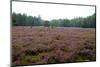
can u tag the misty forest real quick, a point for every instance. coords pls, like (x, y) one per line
(24, 20)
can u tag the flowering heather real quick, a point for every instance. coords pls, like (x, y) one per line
(43, 45)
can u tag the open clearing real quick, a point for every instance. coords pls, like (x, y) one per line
(42, 45)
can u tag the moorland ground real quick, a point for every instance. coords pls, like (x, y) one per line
(43, 45)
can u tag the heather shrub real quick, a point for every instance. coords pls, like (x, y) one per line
(57, 45)
(53, 59)
(84, 55)
(30, 51)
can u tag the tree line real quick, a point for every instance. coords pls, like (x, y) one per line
(25, 20)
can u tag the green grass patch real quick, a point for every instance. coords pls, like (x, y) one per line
(30, 59)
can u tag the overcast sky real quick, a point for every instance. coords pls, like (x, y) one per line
(52, 11)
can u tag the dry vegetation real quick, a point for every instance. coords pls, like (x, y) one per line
(42, 45)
